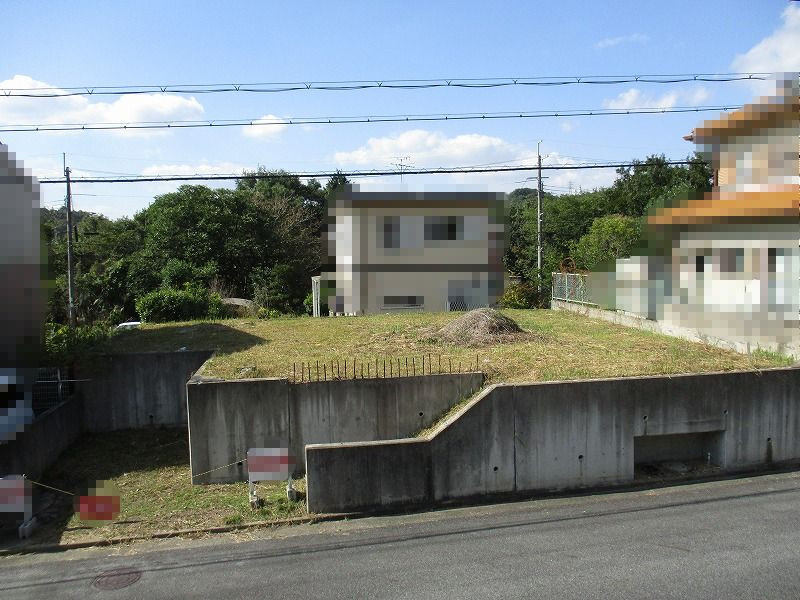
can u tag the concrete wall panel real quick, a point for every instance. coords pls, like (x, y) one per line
(228, 416)
(41, 443)
(129, 391)
(578, 434)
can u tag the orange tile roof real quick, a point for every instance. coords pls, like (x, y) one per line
(752, 117)
(777, 204)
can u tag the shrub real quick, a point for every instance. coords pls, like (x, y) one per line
(519, 295)
(268, 313)
(164, 305)
(216, 309)
(63, 344)
(308, 303)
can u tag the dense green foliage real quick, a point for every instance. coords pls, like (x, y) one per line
(260, 240)
(63, 344)
(519, 295)
(168, 304)
(567, 222)
(609, 238)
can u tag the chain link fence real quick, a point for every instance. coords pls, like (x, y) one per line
(458, 305)
(572, 287)
(52, 387)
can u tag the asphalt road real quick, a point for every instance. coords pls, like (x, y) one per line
(728, 539)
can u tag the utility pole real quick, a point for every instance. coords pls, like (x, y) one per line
(539, 222)
(70, 278)
(401, 165)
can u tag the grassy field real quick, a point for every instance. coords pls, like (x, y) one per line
(563, 345)
(150, 467)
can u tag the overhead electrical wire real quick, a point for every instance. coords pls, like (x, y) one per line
(256, 122)
(403, 84)
(361, 173)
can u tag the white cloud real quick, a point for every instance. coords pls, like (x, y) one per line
(635, 98)
(777, 52)
(81, 109)
(433, 149)
(427, 148)
(608, 42)
(568, 126)
(264, 131)
(577, 179)
(204, 168)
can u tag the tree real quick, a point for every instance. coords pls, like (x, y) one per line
(609, 238)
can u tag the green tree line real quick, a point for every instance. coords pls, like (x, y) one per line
(260, 240)
(596, 227)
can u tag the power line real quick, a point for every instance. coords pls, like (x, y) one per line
(138, 125)
(402, 84)
(362, 173)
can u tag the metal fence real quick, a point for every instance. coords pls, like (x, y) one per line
(381, 368)
(572, 287)
(51, 388)
(459, 305)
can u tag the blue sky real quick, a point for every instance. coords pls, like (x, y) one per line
(129, 43)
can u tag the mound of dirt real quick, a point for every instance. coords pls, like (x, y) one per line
(481, 327)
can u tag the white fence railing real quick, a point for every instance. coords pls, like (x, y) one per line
(571, 287)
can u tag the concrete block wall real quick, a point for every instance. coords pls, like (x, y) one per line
(567, 435)
(226, 418)
(144, 389)
(36, 448)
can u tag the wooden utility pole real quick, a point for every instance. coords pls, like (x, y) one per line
(70, 278)
(539, 222)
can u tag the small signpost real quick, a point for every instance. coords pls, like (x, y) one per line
(269, 464)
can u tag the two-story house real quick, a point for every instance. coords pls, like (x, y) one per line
(732, 272)
(399, 251)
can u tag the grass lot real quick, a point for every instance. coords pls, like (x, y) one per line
(565, 346)
(151, 467)
(151, 470)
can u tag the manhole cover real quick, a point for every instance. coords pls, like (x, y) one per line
(116, 579)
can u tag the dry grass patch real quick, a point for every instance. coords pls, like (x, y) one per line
(151, 470)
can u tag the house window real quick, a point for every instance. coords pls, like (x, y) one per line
(442, 229)
(403, 301)
(776, 258)
(700, 263)
(391, 232)
(731, 260)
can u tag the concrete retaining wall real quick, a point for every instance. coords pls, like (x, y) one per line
(666, 328)
(228, 417)
(566, 435)
(129, 391)
(36, 448)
